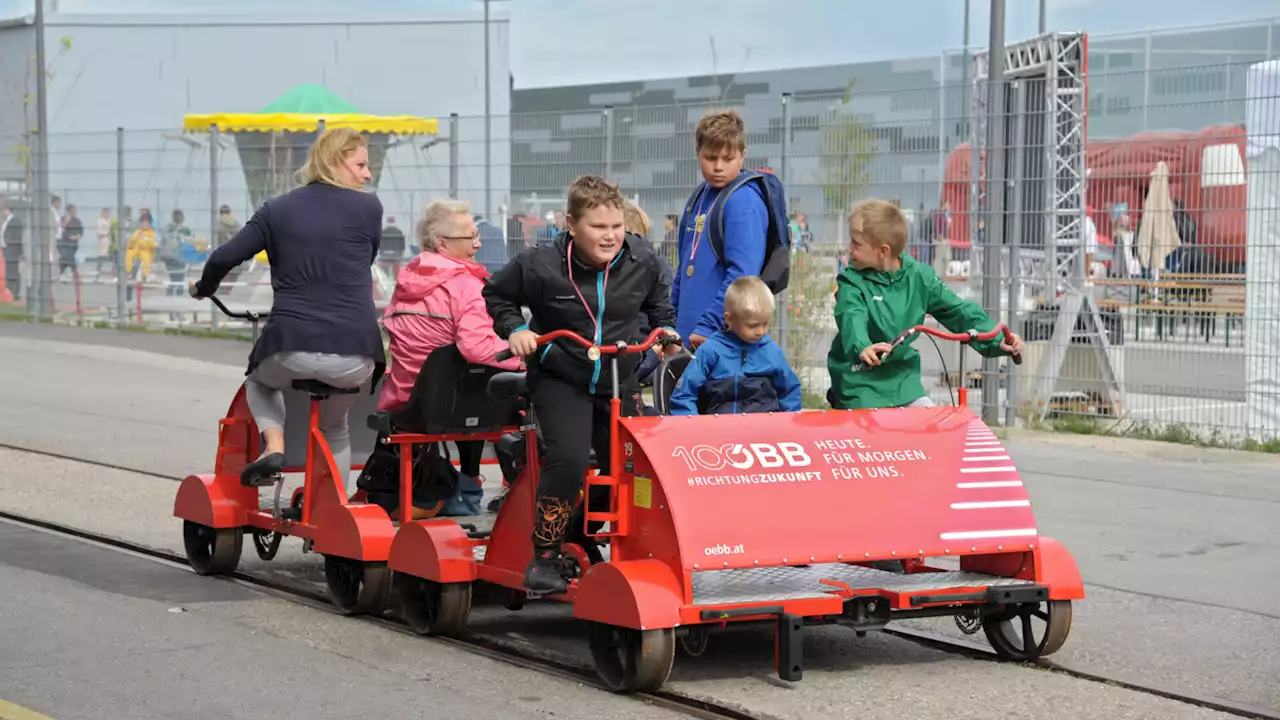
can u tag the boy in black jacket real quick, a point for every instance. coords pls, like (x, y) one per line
(595, 280)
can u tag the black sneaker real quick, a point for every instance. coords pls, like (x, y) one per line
(544, 576)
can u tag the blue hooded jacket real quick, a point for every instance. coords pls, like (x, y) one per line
(699, 300)
(729, 376)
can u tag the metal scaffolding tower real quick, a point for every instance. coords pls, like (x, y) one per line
(1046, 96)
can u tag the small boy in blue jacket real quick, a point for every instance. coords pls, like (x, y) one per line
(739, 369)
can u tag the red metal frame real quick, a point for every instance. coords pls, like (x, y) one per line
(220, 501)
(509, 548)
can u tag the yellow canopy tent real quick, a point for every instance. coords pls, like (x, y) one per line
(273, 143)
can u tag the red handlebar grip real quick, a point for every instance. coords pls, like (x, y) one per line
(545, 338)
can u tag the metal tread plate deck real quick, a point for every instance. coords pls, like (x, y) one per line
(769, 584)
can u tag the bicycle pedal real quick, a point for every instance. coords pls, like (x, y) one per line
(261, 481)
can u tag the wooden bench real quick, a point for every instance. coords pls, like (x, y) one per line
(1186, 296)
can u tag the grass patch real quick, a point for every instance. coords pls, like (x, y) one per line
(1177, 433)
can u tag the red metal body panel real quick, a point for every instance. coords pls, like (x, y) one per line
(436, 550)
(640, 594)
(220, 501)
(757, 490)
(1057, 569)
(202, 499)
(357, 531)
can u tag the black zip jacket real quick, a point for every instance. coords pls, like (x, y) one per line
(539, 279)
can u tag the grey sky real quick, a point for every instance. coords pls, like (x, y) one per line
(556, 42)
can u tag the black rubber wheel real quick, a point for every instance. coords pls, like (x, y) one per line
(267, 543)
(696, 641)
(629, 660)
(357, 587)
(433, 608)
(212, 551)
(1013, 633)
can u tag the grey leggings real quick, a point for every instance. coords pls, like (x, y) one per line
(276, 373)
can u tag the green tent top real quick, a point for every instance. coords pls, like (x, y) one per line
(273, 142)
(311, 98)
(300, 111)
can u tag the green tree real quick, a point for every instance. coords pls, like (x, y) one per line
(846, 151)
(847, 148)
(808, 316)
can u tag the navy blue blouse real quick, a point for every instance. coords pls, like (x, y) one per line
(321, 241)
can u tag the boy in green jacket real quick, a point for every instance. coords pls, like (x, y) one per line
(882, 292)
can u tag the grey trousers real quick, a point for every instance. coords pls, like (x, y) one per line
(264, 387)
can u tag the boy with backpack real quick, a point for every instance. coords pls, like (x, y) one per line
(734, 225)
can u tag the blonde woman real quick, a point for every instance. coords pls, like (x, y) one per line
(635, 219)
(636, 222)
(321, 239)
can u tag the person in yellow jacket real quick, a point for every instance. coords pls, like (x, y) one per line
(141, 249)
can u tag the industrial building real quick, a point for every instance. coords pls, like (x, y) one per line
(916, 109)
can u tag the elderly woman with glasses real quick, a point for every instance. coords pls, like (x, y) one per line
(437, 302)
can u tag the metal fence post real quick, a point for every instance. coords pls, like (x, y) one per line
(1146, 79)
(122, 272)
(784, 317)
(995, 203)
(213, 206)
(1019, 155)
(453, 155)
(608, 141)
(786, 137)
(42, 241)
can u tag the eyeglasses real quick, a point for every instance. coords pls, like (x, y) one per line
(472, 237)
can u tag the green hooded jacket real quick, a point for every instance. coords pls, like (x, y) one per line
(875, 306)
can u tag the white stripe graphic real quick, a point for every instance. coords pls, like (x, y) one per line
(986, 458)
(1003, 468)
(995, 484)
(980, 443)
(979, 534)
(972, 451)
(990, 504)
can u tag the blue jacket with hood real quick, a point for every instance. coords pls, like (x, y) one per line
(728, 375)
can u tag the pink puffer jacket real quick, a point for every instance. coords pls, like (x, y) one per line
(437, 302)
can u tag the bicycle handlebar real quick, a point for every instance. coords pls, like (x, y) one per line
(964, 337)
(249, 315)
(657, 337)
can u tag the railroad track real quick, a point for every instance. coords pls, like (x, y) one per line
(693, 707)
